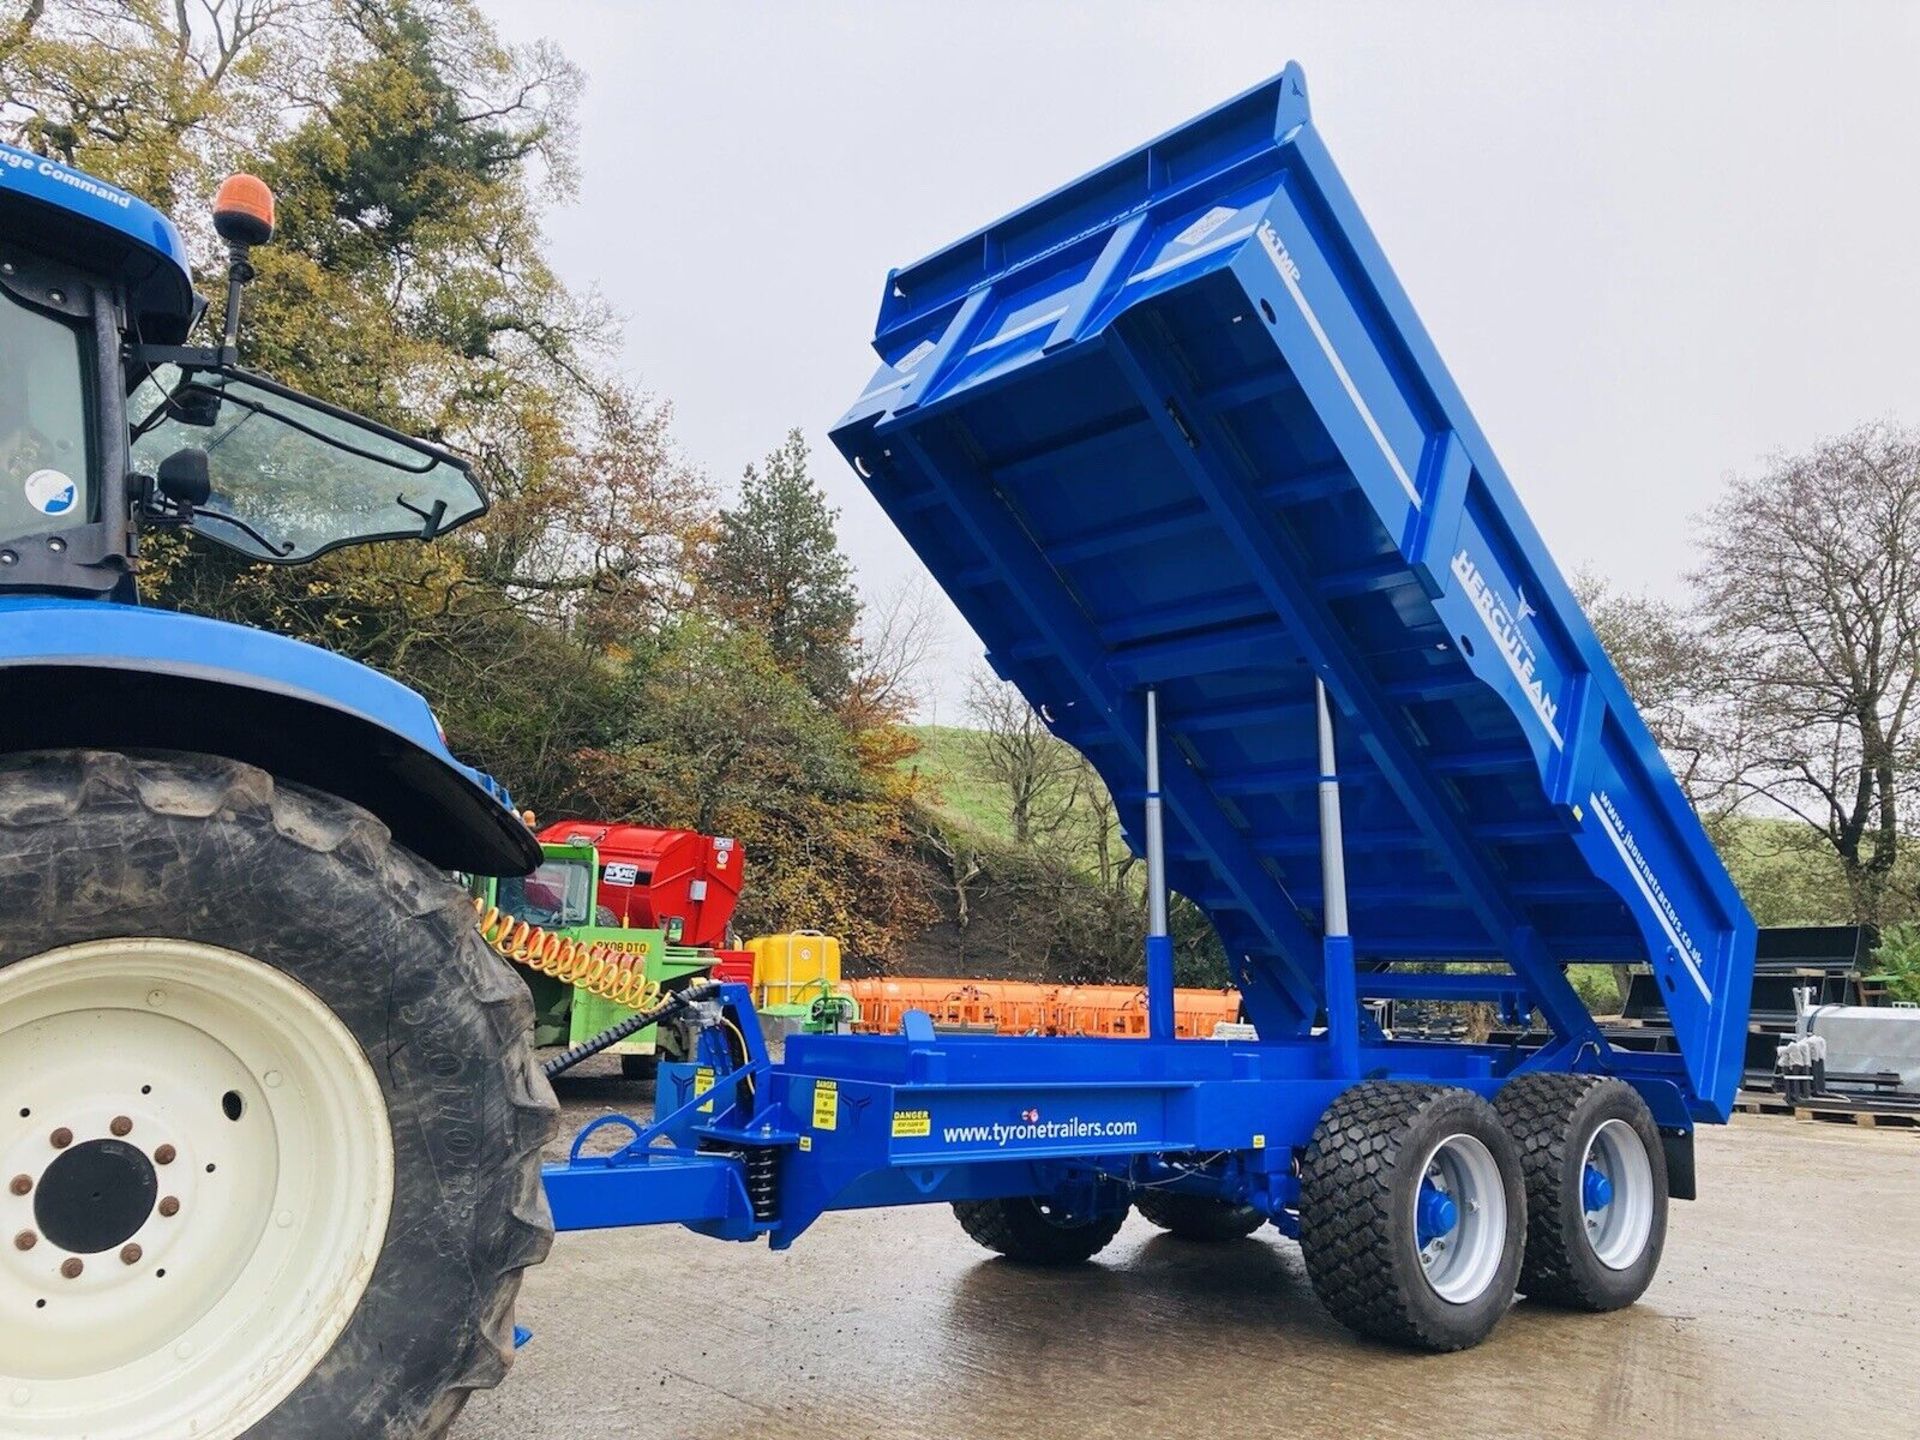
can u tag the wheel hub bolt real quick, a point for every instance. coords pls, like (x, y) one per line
(61, 1138)
(169, 1206)
(130, 1254)
(164, 1155)
(25, 1240)
(72, 1266)
(20, 1184)
(121, 1125)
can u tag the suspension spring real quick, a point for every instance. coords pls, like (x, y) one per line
(761, 1164)
(763, 1177)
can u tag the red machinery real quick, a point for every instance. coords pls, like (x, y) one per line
(671, 880)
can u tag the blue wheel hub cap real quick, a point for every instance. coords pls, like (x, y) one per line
(1596, 1190)
(1436, 1214)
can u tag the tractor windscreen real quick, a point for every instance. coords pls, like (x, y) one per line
(45, 470)
(556, 895)
(293, 477)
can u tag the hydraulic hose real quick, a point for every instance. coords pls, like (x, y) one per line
(614, 1034)
(600, 970)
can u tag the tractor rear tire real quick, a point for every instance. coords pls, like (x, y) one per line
(1389, 1259)
(1032, 1231)
(1197, 1217)
(1599, 1258)
(308, 1123)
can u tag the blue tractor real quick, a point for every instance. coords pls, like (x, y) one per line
(271, 1124)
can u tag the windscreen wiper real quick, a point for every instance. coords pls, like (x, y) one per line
(432, 517)
(282, 551)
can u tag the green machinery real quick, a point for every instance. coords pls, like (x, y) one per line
(562, 897)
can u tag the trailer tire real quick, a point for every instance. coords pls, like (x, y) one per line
(1197, 1217)
(220, 914)
(1030, 1230)
(1599, 1258)
(1363, 1183)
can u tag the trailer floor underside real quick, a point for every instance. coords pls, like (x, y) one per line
(895, 1325)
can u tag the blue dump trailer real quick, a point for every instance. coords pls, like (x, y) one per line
(1176, 444)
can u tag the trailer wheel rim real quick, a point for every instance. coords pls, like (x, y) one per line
(1616, 1194)
(1460, 1219)
(200, 1153)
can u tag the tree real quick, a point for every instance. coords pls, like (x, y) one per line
(1038, 777)
(722, 738)
(1809, 594)
(960, 863)
(900, 635)
(412, 155)
(1674, 677)
(775, 567)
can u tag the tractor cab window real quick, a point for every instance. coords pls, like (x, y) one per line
(293, 477)
(556, 895)
(45, 474)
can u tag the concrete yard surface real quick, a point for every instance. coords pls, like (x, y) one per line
(1788, 1304)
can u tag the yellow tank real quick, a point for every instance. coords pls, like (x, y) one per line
(795, 968)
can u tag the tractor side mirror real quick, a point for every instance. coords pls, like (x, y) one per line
(186, 478)
(196, 405)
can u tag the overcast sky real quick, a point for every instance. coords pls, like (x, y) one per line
(1654, 243)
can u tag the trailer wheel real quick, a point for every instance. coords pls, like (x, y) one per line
(1596, 1178)
(1197, 1217)
(1413, 1214)
(1034, 1231)
(269, 1124)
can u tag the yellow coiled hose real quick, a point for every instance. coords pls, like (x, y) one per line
(601, 970)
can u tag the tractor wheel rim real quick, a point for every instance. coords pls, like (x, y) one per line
(1460, 1219)
(196, 1173)
(1615, 1171)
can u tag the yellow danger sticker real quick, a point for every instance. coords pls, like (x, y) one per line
(1259, 1142)
(912, 1124)
(703, 1082)
(826, 1105)
(806, 1142)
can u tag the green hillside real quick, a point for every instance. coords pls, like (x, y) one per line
(954, 786)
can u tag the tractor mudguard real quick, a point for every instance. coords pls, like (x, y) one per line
(79, 674)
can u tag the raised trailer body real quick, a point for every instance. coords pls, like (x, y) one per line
(1175, 443)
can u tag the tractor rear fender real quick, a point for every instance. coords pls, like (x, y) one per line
(87, 674)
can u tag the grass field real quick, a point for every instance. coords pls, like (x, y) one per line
(955, 786)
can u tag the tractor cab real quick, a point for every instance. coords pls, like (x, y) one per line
(560, 894)
(113, 425)
(110, 424)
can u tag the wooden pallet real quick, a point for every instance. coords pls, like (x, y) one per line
(1750, 1104)
(1897, 1119)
